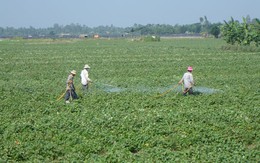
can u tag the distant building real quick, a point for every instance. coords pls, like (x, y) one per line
(96, 36)
(83, 36)
(64, 35)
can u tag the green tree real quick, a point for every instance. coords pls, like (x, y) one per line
(241, 33)
(215, 30)
(230, 31)
(256, 31)
(52, 34)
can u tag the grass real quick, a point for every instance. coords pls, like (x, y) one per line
(128, 124)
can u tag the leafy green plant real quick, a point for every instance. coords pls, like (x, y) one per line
(119, 119)
(241, 33)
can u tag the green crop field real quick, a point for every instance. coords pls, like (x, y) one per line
(123, 118)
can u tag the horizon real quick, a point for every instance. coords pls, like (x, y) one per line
(63, 25)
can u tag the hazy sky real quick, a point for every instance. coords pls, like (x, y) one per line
(121, 13)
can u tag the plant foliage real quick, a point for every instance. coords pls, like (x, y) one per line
(241, 33)
(119, 119)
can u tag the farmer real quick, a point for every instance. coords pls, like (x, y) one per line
(70, 89)
(85, 80)
(188, 82)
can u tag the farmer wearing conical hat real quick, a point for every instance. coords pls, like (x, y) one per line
(85, 80)
(70, 89)
(188, 82)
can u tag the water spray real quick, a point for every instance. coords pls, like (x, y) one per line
(174, 87)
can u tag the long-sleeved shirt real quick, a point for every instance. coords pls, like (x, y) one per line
(69, 82)
(84, 77)
(188, 80)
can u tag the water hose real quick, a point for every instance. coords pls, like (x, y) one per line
(61, 96)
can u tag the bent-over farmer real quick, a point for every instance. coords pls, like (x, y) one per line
(70, 89)
(188, 81)
(85, 80)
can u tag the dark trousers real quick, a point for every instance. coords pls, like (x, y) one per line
(71, 93)
(188, 90)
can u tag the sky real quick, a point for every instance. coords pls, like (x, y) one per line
(122, 13)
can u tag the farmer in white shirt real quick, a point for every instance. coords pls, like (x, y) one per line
(84, 77)
(188, 82)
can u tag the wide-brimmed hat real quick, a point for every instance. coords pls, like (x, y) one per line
(73, 72)
(86, 66)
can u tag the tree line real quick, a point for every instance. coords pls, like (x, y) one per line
(245, 33)
(75, 30)
(232, 31)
